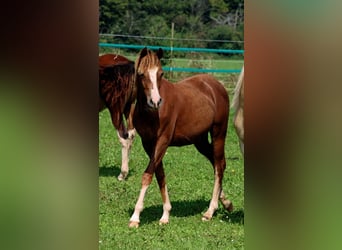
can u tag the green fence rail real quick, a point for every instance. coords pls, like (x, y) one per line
(199, 70)
(174, 69)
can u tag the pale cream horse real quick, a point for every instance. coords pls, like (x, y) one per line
(237, 105)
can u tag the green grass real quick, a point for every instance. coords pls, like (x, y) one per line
(190, 179)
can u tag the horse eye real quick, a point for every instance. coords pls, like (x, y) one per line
(161, 74)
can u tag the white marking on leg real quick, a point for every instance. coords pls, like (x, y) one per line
(139, 205)
(166, 209)
(214, 199)
(126, 145)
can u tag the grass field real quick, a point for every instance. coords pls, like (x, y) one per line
(190, 181)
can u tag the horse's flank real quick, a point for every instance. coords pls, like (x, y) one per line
(196, 96)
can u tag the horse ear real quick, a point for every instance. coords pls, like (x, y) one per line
(160, 53)
(143, 52)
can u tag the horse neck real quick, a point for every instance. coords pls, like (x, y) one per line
(140, 96)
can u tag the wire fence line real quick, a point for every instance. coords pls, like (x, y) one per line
(134, 46)
(170, 38)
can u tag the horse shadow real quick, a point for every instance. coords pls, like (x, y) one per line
(187, 209)
(235, 217)
(109, 171)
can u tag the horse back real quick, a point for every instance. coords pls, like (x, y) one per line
(208, 88)
(112, 59)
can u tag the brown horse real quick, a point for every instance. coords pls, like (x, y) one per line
(118, 94)
(237, 105)
(179, 114)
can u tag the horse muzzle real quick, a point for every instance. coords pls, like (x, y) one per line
(154, 104)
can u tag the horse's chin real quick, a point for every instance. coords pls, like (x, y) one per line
(152, 108)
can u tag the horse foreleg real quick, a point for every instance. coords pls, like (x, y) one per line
(155, 165)
(139, 206)
(164, 193)
(126, 145)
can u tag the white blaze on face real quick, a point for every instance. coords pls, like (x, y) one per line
(154, 91)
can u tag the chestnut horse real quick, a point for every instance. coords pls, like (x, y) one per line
(118, 94)
(179, 114)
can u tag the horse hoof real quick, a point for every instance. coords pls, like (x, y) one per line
(122, 176)
(228, 205)
(230, 208)
(133, 224)
(206, 218)
(163, 222)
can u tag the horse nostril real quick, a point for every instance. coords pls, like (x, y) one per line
(153, 104)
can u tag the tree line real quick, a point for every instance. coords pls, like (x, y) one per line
(197, 23)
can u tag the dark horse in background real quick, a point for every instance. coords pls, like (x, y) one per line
(117, 93)
(179, 114)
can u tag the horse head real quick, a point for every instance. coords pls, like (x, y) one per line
(149, 74)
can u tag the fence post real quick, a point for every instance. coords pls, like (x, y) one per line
(171, 45)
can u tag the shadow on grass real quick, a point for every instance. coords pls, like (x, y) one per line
(109, 171)
(236, 217)
(186, 209)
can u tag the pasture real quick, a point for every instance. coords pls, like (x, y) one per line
(189, 177)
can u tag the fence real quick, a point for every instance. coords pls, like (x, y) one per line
(175, 49)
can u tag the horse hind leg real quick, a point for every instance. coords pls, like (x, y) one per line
(219, 166)
(205, 148)
(164, 193)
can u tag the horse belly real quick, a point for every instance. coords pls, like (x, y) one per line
(187, 132)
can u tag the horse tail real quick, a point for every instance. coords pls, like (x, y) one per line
(237, 91)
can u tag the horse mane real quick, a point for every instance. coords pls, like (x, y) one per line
(236, 98)
(149, 57)
(117, 85)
